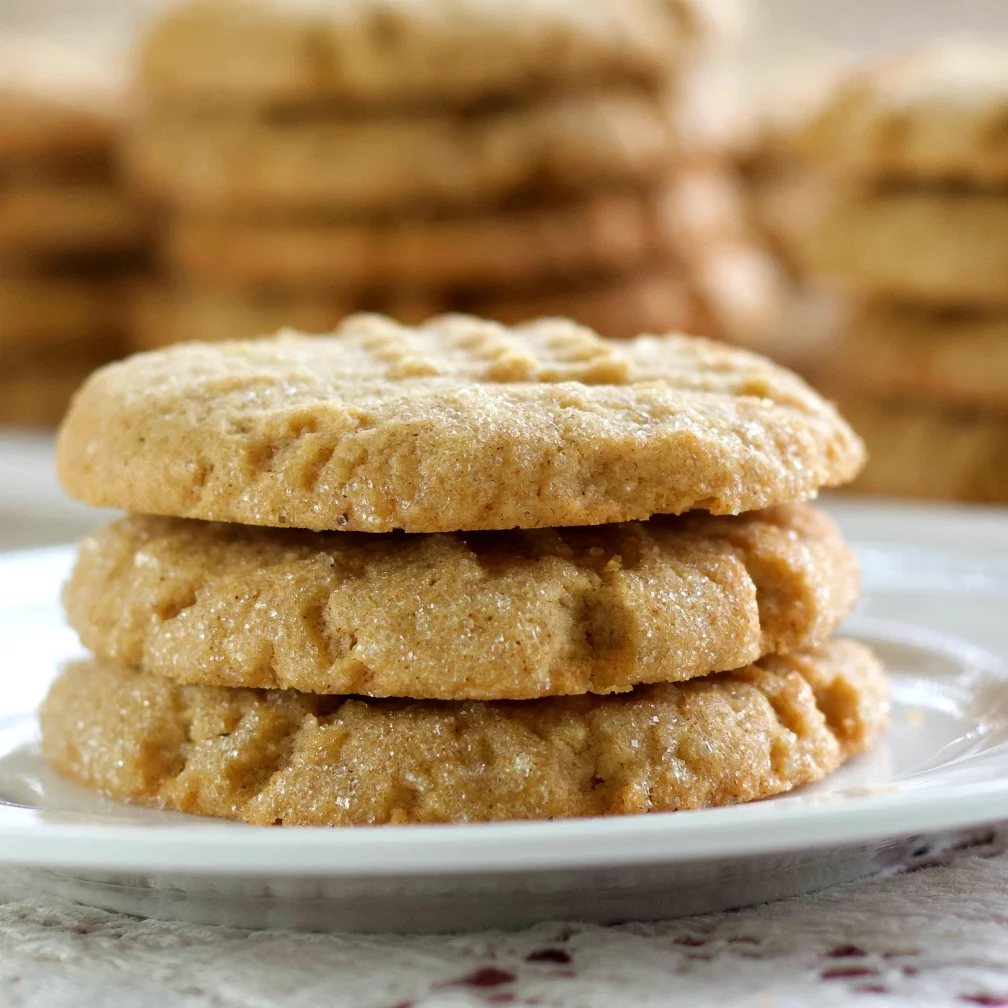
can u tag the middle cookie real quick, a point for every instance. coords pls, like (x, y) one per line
(483, 616)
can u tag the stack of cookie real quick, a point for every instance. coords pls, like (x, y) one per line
(67, 232)
(432, 580)
(914, 218)
(412, 158)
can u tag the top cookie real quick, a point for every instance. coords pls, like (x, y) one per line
(267, 52)
(458, 424)
(938, 114)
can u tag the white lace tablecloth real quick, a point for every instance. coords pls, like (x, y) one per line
(932, 929)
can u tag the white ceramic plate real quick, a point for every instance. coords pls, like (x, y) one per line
(936, 598)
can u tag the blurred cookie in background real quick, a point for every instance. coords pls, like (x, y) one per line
(956, 356)
(746, 292)
(924, 448)
(69, 233)
(314, 161)
(936, 115)
(903, 209)
(930, 244)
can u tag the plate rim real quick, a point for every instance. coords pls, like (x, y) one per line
(709, 834)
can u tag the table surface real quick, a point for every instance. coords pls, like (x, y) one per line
(931, 929)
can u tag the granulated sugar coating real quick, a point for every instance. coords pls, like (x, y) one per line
(480, 616)
(459, 424)
(276, 757)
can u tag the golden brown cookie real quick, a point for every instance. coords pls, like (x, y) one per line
(458, 424)
(937, 114)
(955, 357)
(267, 52)
(274, 757)
(480, 616)
(356, 165)
(38, 311)
(934, 247)
(47, 218)
(925, 449)
(599, 232)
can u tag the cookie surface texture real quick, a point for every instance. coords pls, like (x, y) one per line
(587, 610)
(458, 424)
(267, 52)
(279, 757)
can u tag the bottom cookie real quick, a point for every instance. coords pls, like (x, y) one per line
(929, 450)
(274, 757)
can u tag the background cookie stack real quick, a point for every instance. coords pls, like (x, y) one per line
(914, 217)
(68, 235)
(437, 618)
(505, 159)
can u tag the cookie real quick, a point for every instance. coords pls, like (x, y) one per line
(599, 232)
(57, 104)
(459, 424)
(924, 449)
(399, 52)
(283, 758)
(357, 165)
(937, 114)
(38, 311)
(935, 247)
(41, 219)
(957, 357)
(656, 300)
(587, 610)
